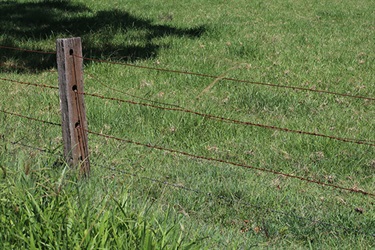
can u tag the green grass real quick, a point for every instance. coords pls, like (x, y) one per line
(139, 197)
(43, 211)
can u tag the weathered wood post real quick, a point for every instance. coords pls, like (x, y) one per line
(74, 124)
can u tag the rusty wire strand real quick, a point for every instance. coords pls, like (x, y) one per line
(223, 119)
(230, 79)
(135, 96)
(28, 50)
(30, 118)
(241, 202)
(29, 84)
(180, 109)
(202, 75)
(18, 142)
(359, 141)
(354, 190)
(208, 194)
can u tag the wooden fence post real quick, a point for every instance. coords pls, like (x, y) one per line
(74, 124)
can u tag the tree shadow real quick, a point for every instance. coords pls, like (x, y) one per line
(105, 34)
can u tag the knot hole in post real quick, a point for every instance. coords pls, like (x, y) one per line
(75, 88)
(71, 52)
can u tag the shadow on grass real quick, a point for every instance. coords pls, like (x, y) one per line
(105, 34)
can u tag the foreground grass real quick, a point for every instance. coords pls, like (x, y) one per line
(44, 208)
(326, 45)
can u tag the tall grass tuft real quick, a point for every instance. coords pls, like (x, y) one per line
(41, 210)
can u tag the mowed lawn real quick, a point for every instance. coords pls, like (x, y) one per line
(239, 125)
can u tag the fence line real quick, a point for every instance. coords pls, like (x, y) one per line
(209, 116)
(18, 142)
(30, 84)
(174, 105)
(28, 50)
(210, 195)
(137, 97)
(230, 200)
(230, 79)
(30, 118)
(218, 118)
(355, 190)
(204, 75)
(214, 117)
(223, 119)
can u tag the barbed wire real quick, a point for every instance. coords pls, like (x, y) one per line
(203, 75)
(134, 96)
(354, 190)
(229, 79)
(18, 142)
(28, 83)
(201, 114)
(180, 109)
(226, 199)
(6, 66)
(28, 50)
(241, 202)
(30, 118)
(219, 118)
(360, 140)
